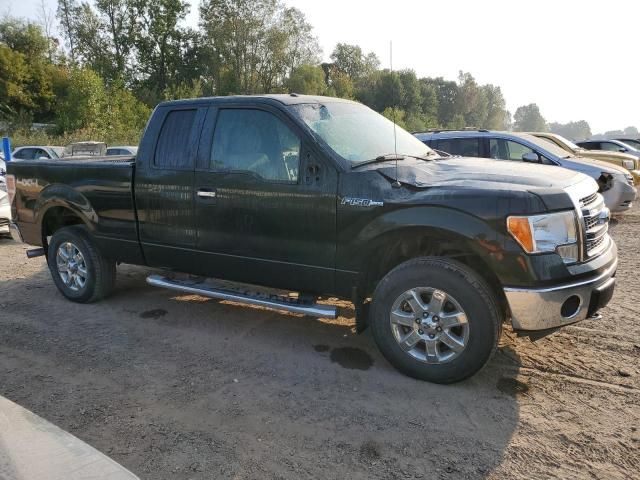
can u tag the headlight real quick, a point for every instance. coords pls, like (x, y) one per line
(552, 232)
(628, 164)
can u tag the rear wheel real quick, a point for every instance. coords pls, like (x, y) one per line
(434, 319)
(78, 268)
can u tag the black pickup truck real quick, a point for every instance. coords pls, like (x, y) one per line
(324, 197)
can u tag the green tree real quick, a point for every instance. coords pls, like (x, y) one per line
(157, 41)
(67, 14)
(351, 60)
(307, 79)
(341, 86)
(471, 101)
(572, 130)
(446, 93)
(14, 77)
(83, 103)
(497, 116)
(254, 45)
(26, 76)
(396, 115)
(119, 23)
(529, 119)
(429, 103)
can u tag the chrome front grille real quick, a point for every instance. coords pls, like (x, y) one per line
(588, 200)
(596, 224)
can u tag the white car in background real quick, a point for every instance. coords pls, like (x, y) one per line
(37, 152)
(5, 208)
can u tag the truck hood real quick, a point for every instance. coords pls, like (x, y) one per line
(481, 173)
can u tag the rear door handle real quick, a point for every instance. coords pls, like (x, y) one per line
(207, 193)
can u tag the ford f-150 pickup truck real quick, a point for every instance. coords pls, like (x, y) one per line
(324, 197)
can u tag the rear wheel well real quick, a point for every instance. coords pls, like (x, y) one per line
(410, 245)
(56, 218)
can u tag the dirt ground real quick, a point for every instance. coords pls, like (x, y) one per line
(189, 388)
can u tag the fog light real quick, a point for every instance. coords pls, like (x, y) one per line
(570, 306)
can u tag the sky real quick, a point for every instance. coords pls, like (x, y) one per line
(578, 60)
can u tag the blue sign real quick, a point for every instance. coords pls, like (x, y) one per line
(6, 148)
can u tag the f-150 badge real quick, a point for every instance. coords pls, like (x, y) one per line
(360, 202)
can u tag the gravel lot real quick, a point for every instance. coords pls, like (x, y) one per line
(189, 388)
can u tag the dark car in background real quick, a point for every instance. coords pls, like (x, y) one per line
(122, 150)
(616, 183)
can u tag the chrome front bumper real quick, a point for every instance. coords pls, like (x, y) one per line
(542, 308)
(15, 232)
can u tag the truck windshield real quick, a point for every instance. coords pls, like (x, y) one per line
(357, 133)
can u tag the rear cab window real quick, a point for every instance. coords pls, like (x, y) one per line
(173, 145)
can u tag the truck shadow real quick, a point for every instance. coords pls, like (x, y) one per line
(162, 382)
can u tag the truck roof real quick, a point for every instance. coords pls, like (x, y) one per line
(284, 98)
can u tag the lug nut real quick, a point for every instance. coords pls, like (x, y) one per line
(418, 321)
(436, 318)
(439, 329)
(425, 314)
(421, 332)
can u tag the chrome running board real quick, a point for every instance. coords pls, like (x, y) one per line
(277, 302)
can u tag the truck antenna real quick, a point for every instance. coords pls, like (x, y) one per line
(396, 183)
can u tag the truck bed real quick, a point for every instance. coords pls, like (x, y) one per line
(98, 188)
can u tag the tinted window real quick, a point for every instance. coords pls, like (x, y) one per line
(466, 147)
(255, 141)
(610, 146)
(501, 149)
(590, 145)
(172, 150)
(25, 154)
(38, 152)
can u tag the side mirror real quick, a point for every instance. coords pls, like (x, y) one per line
(530, 157)
(622, 150)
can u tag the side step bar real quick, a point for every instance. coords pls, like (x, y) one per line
(277, 302)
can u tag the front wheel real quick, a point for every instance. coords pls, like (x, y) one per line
(435, 319)
(77, 267)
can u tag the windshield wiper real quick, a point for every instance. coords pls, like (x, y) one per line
(387, 157)
(424, 157)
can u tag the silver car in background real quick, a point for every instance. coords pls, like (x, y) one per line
(616, 183)
(37, 152)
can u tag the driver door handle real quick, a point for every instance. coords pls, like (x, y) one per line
(204, 193)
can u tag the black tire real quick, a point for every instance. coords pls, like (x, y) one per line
(484, 320)
(100, 271)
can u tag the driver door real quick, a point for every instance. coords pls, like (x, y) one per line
(265, 202)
